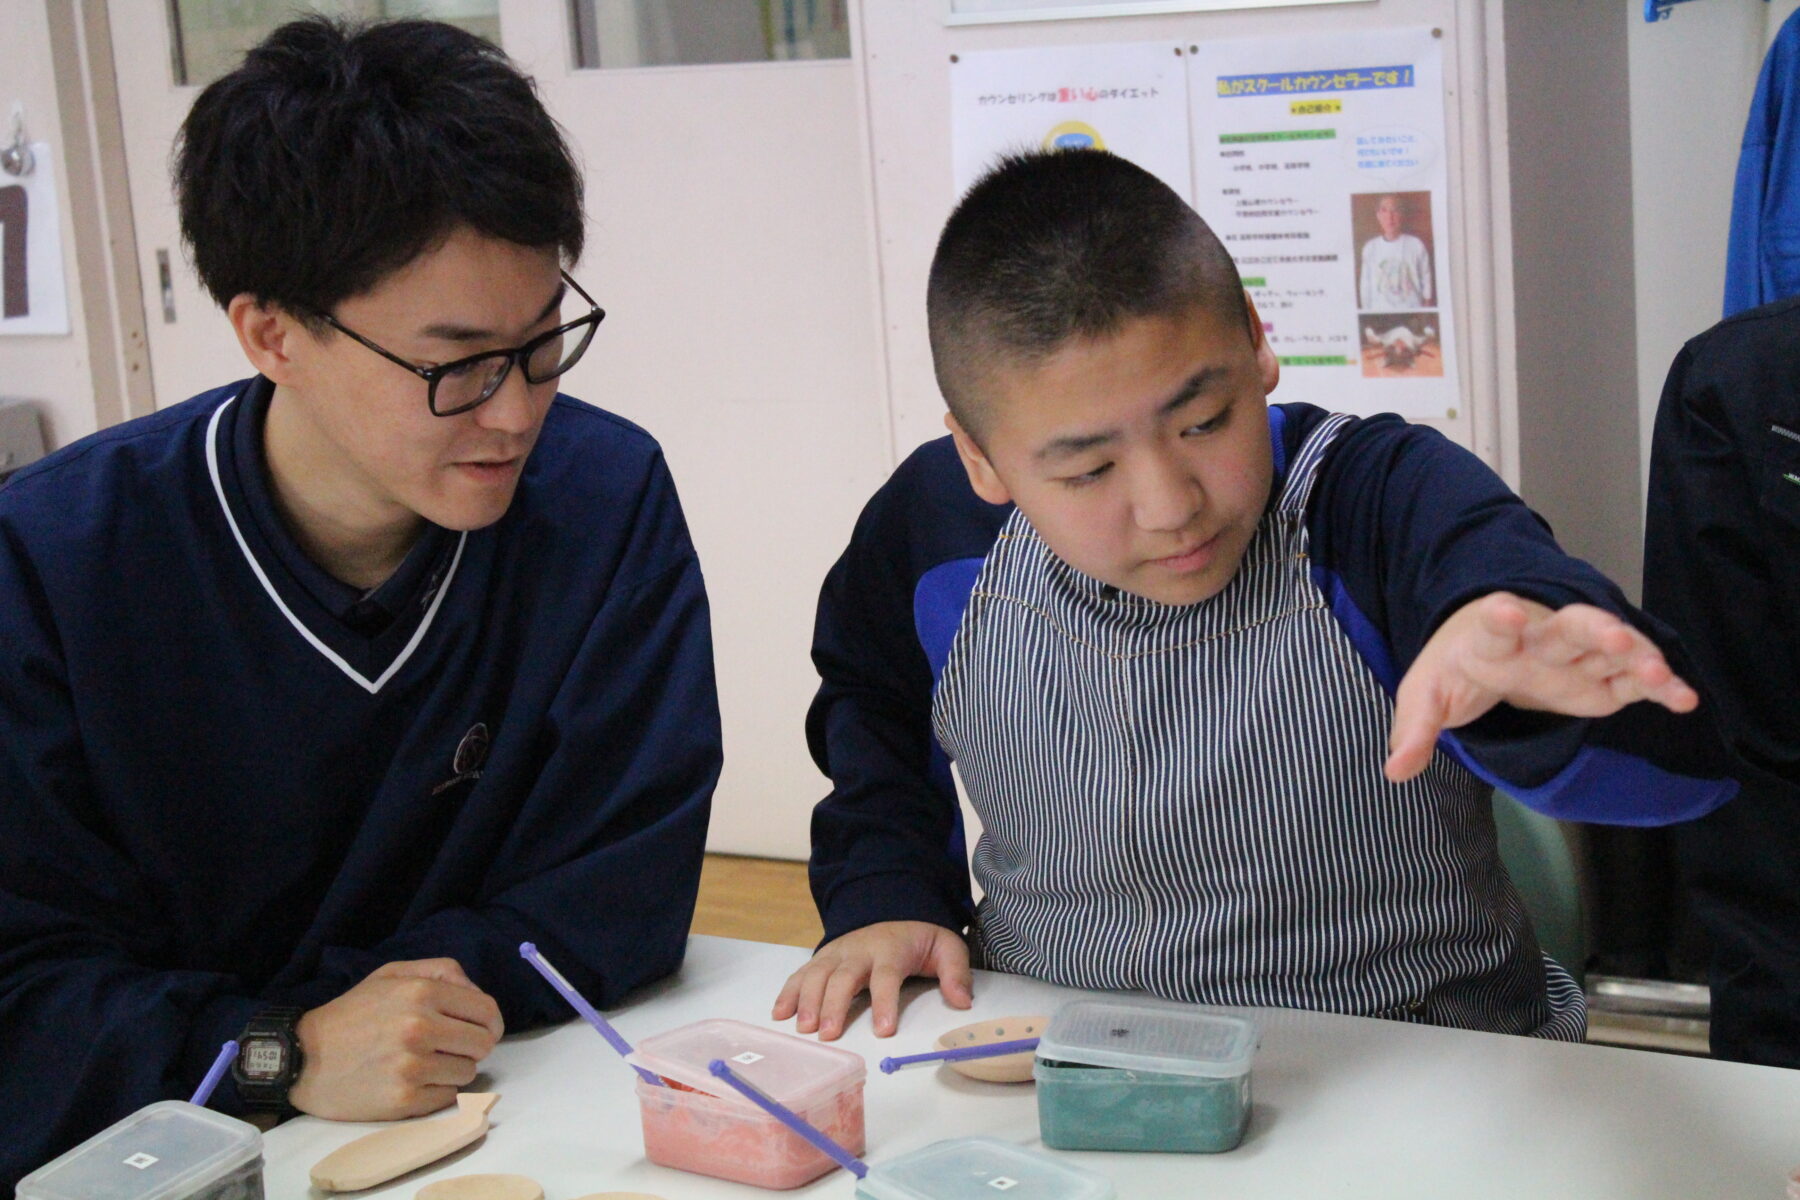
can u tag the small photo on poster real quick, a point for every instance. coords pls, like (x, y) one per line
(1396, 255)
(1401, 346)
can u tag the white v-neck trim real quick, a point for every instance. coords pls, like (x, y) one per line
(369, 685)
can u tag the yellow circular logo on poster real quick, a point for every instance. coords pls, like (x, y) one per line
(1074, 135)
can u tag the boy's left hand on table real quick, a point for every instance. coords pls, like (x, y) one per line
(1580, 660)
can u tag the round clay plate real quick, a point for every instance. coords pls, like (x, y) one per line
(1008, 1068)
(482, 1187)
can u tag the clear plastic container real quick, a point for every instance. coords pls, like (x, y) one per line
(169, 1150)
(1125, 1075)
(699, 1124)
(975, 1169)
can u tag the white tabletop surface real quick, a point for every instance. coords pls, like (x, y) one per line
(1342, 1107)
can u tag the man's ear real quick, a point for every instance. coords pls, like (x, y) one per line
(982, 476)
(1267, 365)
(268, 334)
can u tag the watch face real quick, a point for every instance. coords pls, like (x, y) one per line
(263, 1058)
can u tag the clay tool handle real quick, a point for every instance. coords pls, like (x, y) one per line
(790, 1118)
(221, 1064)
(960, 1054)
(578, 1002)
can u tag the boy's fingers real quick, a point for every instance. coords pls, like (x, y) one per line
(471, 1005)
(1418, 719)
(884, 997)
(845, 984)
(955, 980)
(812, 994)
(1500, 627)
(788, 1000)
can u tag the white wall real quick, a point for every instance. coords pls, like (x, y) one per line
(1692, 76)
(52, 371)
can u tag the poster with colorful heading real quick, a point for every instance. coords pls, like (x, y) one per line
(1130, 99)
(1320, 162)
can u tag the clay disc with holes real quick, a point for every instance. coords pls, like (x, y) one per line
(1008, 1068)
(482, 1187)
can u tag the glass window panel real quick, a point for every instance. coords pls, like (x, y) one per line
(211, 36)
(656, 33)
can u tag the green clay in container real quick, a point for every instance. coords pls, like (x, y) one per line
(1131, 1075)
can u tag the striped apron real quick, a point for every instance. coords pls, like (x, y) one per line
(1189, 800)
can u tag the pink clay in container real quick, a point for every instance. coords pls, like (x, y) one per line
(689, 1126)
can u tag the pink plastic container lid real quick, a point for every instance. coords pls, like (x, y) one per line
(791, 1070)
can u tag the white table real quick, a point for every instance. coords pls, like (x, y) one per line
(1343, 1107)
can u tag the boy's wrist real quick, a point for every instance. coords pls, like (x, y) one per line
(888, 896)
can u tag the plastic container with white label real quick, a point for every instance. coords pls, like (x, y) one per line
(1125, 1075)
(169, 1150)
(699, 1124)
(978, 1168)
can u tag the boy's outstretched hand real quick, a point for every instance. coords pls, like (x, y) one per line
(1579, 660)
(878, 957)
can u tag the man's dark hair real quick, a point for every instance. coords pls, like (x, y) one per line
(1061, 244)
(336, 153)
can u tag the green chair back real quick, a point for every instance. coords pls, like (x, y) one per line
(1537, 855)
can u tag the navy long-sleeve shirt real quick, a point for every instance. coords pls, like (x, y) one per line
(1404, 528)
(228, 781)
(1722, 565)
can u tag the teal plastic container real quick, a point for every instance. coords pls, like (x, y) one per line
(1125, 1075)
(976, 1168)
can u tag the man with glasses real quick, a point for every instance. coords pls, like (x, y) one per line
(324, 691)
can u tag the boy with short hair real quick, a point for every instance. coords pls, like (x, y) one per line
(1194, 657)
(325, 690)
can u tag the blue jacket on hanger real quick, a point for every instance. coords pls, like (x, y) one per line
(1762, 259)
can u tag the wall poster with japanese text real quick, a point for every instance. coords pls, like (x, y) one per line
(1319, 160)
(1130, 99)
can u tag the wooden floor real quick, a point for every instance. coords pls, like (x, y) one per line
(757, 899)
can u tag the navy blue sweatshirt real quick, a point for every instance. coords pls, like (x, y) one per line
(1405, 528)
(229, 781)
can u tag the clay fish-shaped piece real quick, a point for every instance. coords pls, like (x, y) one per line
(391, 1152)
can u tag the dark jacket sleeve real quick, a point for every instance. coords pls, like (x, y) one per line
(1407, 528)
(887, 841)
(87, 1033)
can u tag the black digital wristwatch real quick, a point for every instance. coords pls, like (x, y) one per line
(269, 1059)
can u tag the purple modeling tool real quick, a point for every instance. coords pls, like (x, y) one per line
(529, 953)
(959, 1054)
(221, 1064)
(790, 1118)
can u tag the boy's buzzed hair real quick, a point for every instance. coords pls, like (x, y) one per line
(336, 153)
(1060, 244)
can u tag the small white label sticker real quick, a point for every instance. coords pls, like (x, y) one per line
(747, 1057)
(141, 1160)
(1001, 1183)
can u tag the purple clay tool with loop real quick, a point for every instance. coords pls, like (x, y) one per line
(221, 1064)
(791, 1119)
(529, 952)
(959, 1054)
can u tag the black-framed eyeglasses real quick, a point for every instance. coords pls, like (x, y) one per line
(456, 387)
